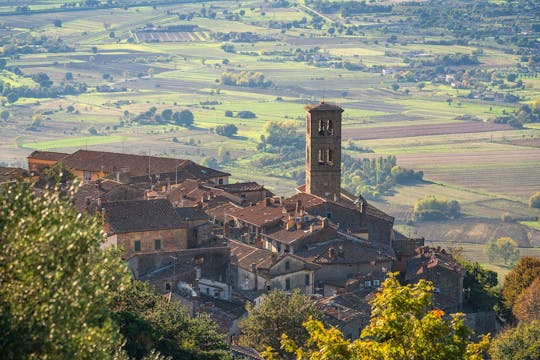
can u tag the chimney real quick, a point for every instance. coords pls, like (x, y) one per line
(298, 206)
(336, 198)
(363, 207)
(267, 202)
(298, 226)
(311, 228)
(226, 229)
(324, 223)
(332, 253)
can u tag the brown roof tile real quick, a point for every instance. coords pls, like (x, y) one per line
(259, 214)
(138, 165)
(240, 187)
(247, 255)
(140, 215)
(47, 155)
(322, 106)
(340, 251)
(11, 173)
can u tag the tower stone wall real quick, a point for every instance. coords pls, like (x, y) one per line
(323, 150)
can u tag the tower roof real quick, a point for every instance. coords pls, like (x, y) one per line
(322, 106)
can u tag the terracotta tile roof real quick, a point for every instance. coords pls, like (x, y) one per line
(294, 234)
(47, 155)
(259, 214)
(218, 212)
(322, 106)
(344, 200)
(247, 255)
(140, 215)
(343, 308)
(240, 187)
(339, 251)
(428, 259)
(193, 192)
(138, 165)
(306, 200)
(191, 213)
(11, 173)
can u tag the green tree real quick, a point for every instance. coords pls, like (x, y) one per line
(4, 115)
(55, 283)
(148, 321)
(519, 343)
(505, 248)
(58, 174)
(183, 118)
(228, 130)
(534, 200)
(520, 278)
(167, 114)
(404, 325)
(278, 313)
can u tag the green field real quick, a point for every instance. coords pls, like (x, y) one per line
(354, 65)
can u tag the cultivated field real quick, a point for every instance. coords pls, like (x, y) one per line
(491, 169)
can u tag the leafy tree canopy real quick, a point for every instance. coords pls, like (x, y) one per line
(55, 282)
(148, 321)
(527, 307)
(519, 343)
(520, 278)
(505, 248)
(278, 313)
(404, 325)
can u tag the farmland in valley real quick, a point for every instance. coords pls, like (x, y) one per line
(438, 100)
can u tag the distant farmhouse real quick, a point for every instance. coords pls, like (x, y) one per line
(187, 231)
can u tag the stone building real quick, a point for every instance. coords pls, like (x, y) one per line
(41, 160)
(90, 165)
(323, 150)
(144, 226)
(255, 269)
(444, 271)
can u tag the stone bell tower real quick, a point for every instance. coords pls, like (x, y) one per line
(323, 150)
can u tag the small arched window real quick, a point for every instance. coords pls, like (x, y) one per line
(322, 127)
(330, 157)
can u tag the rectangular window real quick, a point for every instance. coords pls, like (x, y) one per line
(328, 215)
(307, 279)
(287, 265)
(137, 245)
(87, 175)
(278, 246)
(287, 284)
(157, 244)
(287, 249)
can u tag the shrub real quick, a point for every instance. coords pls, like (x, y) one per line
(431, 208)
(534, 200)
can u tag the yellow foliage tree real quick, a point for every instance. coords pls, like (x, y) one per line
(404, 325)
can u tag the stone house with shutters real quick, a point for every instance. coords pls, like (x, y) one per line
(144, 226)
(255, 269)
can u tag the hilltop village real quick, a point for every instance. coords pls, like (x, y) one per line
(212, 245)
